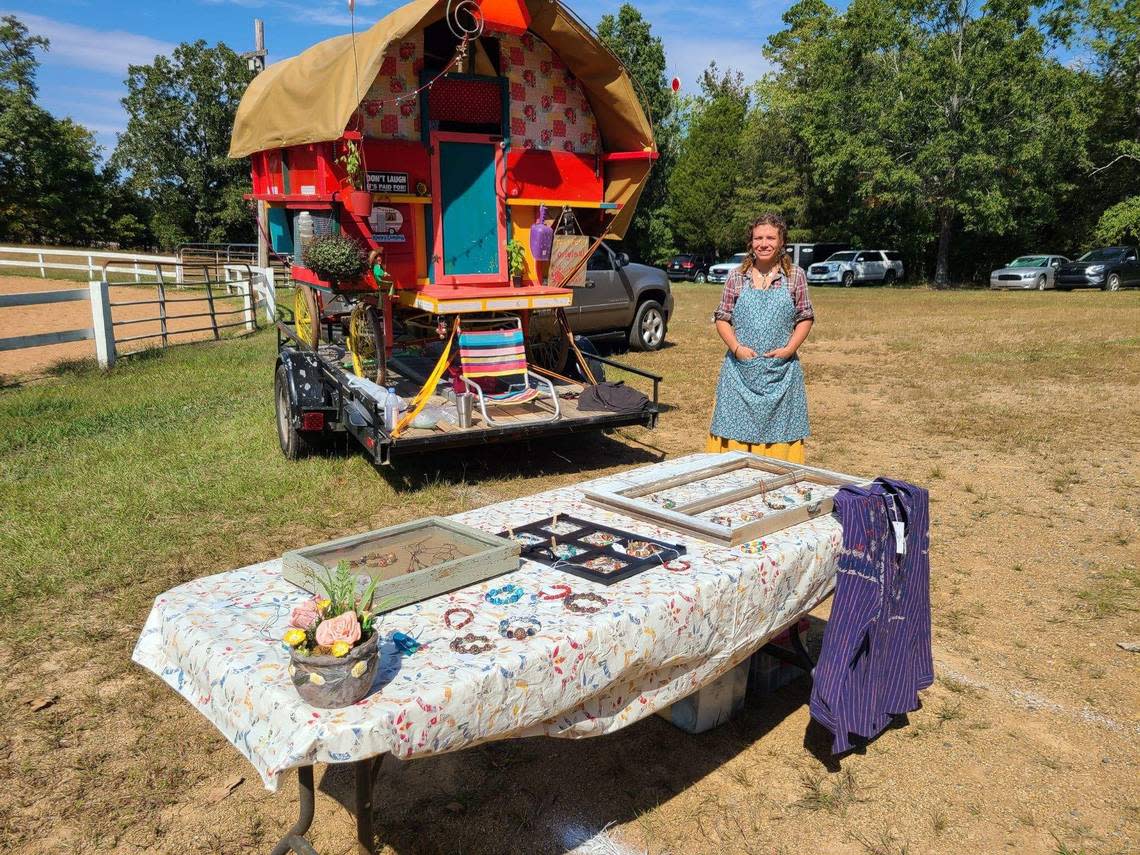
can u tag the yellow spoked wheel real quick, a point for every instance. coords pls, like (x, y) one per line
(365, 340)
(306, 315)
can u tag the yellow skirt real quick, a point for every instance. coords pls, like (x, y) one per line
(793, 452)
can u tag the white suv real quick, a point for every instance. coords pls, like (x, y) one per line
(852, 266)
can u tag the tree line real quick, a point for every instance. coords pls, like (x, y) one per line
(958, 132)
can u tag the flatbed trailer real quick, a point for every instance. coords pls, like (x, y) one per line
(317, 400)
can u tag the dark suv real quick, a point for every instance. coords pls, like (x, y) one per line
(1110, 268)
(690, 267)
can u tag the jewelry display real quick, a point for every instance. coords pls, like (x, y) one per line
(505, 595)
(679, 566)
(519, 628)
(471, 643)
(573, 603)
(467, 614)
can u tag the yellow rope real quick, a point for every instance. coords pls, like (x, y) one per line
(420, 401)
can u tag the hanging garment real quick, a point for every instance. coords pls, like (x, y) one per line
(876, 654)
(761, 400)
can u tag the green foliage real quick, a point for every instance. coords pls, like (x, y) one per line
(335, 258)
(516, 257)
(1120, 223)
(181, 112)
(703, 205)
(629, 36)
(353, 164)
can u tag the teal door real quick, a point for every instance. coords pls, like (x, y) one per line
(470, 212)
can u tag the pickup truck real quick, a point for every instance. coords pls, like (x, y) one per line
(622, 297)
(857, 266)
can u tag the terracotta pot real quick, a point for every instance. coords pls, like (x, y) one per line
(329, 682)
(360, 202)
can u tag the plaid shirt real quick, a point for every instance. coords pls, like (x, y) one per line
(737, 282)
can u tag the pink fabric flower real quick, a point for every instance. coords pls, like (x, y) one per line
(305, 615)
(342, 628)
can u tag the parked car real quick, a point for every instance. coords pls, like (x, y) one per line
(1028, 272)
(718, 272)
(1109, 268)
(806, 254)
(689, 267)
(857, 266)
(633, 299)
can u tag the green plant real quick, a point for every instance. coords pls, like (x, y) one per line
(353, 163)
(516, 258)
(346, 615)
(335, 258)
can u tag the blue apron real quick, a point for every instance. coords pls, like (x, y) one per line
(761, 400)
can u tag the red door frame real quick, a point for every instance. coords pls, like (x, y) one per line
(503, 276)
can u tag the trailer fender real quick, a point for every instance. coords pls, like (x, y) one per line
(307, 390)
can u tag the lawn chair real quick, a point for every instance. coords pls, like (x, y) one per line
(501, 353)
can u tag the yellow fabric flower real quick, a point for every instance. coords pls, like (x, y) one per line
(341, 648)
(295, 637)
(323, 604)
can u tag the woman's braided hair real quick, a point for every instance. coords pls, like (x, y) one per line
(767, 219)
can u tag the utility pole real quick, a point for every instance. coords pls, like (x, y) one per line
(256, 63)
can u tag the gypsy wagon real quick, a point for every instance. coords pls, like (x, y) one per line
(497, 143)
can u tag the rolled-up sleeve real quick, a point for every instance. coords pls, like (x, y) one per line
(801, 298)
(728, 298)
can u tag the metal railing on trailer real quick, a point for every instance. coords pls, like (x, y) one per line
(319, 403)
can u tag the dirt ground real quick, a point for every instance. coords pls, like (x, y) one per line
(1018, 411)
(33, 362)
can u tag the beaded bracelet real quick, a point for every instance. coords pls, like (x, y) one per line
(471, 643)
(555, 592)
(571, 603)
(519, 632)
(505, 595)
(678, 566)
(469, 616)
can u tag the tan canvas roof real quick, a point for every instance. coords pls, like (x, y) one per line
(311, 97)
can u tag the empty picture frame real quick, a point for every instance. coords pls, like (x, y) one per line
(732, 501)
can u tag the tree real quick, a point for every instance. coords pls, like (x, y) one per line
(51, 187)
(915, 125)
(174, 150)
(628, 35)
(703, 206)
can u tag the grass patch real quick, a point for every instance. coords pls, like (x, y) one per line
(833, 794)
(1111, 592)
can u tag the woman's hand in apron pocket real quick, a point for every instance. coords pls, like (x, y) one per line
(743, 353)
(781, 353)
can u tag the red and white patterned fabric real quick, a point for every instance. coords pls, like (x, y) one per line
(549, 110)
(399, 75)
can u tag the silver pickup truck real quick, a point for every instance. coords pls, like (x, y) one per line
(853, 267)
(621, 297)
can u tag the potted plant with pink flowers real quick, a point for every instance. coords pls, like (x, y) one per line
(332, 641)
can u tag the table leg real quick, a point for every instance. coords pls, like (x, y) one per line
(363, 769)
(294, 840)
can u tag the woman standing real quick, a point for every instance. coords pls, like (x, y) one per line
(763, 317)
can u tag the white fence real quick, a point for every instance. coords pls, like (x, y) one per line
(255, 286)
(90, 262)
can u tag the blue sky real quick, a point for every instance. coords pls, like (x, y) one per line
(93, 41)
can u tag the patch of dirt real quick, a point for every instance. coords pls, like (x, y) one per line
(1027, 742)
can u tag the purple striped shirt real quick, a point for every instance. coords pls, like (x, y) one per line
(876, 653)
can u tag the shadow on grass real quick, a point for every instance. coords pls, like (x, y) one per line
(449, 803)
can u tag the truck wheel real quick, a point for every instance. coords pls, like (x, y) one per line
(889, 278)
(648, 330)
(1112, 283)
(295, 444)
(848, 279)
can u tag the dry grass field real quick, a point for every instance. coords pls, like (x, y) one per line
(1020, 413)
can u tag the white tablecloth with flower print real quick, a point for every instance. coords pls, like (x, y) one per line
(665, 633)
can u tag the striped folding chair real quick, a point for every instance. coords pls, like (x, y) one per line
(501, 353)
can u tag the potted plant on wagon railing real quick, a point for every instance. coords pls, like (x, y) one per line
(359, 198)
(336, 259)
(332, 641)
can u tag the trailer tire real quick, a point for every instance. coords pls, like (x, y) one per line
(295, 444)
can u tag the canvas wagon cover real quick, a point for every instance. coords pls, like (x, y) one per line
(311, 97)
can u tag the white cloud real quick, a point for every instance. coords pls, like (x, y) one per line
(688, 57)
(95, 50)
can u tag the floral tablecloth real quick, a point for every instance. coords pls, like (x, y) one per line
(664, 633)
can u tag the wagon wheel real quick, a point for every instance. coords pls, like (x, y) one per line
(306, 315)
(549, 347)
(365, 340)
